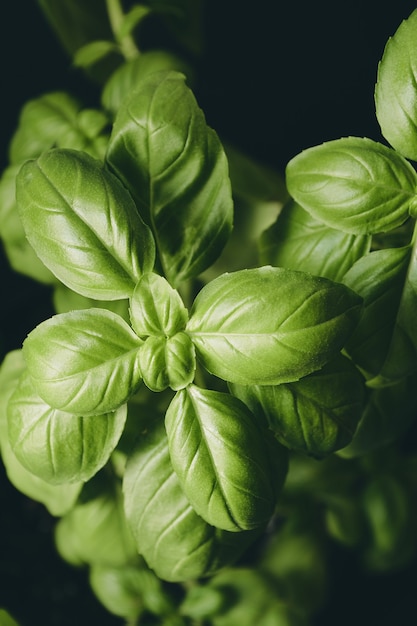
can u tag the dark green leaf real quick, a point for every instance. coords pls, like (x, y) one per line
(56, 446)
(316, 415)
(176, 543)
(396, 93)
(270, 325)
(353, 184)
(83, 224)
(300, 242)
(219, 455)
(84, 362)
(176, 169)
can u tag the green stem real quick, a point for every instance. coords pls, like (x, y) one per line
(116, 15)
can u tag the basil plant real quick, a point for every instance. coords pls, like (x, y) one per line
(167, 409)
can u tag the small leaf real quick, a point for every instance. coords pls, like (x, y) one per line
(156, 308)
(176, 169)
(176, 543)
(94, 51)
(395, 92)
(167, 362)
(56, 446)
(132, 19)
(300, 242)
(84, 362)
(118, 589)
(83, 224)
(218, 453)
(353, 184)
(316, 415)
(270, 325)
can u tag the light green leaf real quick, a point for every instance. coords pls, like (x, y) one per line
(167, 362)
(384, 343)
(57, 120)
(270, 325)
(84, 362)
(132, 19)
(58, 499)
(219, 455)
(83, 224)
(176, 169)
(316, 415)
(353, 184)
(128, 76)
(94, 532)
(299, 241)
(119, 589)
(94, 51)
(66, 300)
(396, 93)
(156, 308)
(56, 446)
(176, 543)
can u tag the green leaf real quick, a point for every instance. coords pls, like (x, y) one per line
(156, 308)
(184, 20)
(94, 532)
(66, 300)
(396, 93)
(94, 51)
(388, 413)
(299, 241)
(353, 184)
(56, 446)
(270, 325)
(83, 224)
(57, 120)
(176, 169)
(167, 362)
(219, 455)
(6, 619)
(58, 499)
(316, 415)
(384, 343)
(132, 19)
(176, 543)
(128, 76)
(84, 362)
(118, 589)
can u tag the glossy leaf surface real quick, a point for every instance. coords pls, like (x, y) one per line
(395, 92)
(167, 362)
(353, 184)
(315, 415)
(176, 169)
(83, 224)
(176, 543)
(219, 456)
(84, 362)
(270, 325)
(56, 446)
(299, 241)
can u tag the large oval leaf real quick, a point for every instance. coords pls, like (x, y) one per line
(299, 241)
(270, 325)
(176, 169)
(353, 184)
(176, 543)
(84, 362)
(56, 446)
(83, 224)
(316, 415)
(220, 458)
(396, 93)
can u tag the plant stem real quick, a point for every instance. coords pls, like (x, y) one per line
(116, 15)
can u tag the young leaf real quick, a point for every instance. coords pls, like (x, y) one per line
(176, 543)
(384, 344)
(316, 415)
(353, 184)
(270, 325)
(83, 224)
(395, 92)
(94, 51)
(84, 362)
(176, 169)
(156, 308)
(56, 446)
(58, 499)
(300, 242)
(219, 455)
(167, 362)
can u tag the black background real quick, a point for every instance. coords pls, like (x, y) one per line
(275, 78)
